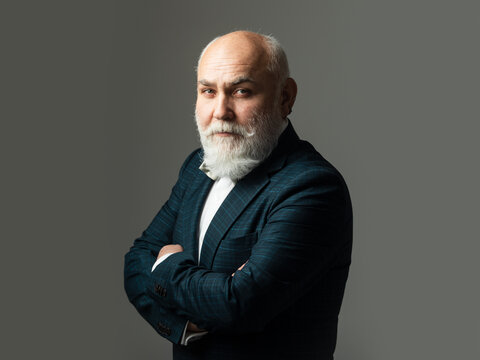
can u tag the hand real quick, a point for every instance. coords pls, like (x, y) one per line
(240, 268)
(193, 328)
(170, 249)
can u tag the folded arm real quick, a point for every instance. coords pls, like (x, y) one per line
(140, 259)
(304, 234)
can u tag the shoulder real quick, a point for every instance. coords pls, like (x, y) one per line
(308, 178)
(191, 163)
(305, 164)
(188, 171)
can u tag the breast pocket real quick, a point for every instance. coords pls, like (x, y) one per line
(233, 252)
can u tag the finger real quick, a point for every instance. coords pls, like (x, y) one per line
(241, 267)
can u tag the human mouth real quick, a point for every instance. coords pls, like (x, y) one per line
(225, 133)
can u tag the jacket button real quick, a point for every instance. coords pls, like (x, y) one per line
(158, 289)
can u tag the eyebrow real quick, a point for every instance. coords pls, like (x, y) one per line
(237, 81)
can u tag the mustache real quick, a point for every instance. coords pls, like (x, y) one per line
(228, 127)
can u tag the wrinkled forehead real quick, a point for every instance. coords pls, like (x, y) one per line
(234, 57)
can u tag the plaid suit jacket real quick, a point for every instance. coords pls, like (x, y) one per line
(291, 218)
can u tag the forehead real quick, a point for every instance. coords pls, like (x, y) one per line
(232, 59)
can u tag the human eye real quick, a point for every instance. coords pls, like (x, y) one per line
(207, 92)
(243, 92)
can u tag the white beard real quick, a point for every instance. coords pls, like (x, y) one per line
(235, 156)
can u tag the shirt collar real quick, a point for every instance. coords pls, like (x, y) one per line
(207, 172)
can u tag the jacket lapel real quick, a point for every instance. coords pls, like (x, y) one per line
(238, 199)
(197, 192)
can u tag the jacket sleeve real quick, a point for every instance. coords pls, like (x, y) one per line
(143, 254)
(305, 235)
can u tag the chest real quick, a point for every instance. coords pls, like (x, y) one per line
(226, 232)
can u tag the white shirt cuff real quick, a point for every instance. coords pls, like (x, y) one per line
(189, 336)
(159, 260)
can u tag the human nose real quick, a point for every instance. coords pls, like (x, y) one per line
(222, 108)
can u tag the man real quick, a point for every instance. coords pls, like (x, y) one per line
(250, 254)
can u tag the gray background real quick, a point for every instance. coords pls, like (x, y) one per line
(97, 117)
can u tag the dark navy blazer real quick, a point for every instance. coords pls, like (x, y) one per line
(291, 218)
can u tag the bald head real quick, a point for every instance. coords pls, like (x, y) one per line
(243, 99)
(257, 49)
(239, 76)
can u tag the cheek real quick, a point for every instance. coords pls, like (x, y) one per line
(203, 114)
(245, 113)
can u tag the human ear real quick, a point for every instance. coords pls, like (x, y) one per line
(289, 93)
